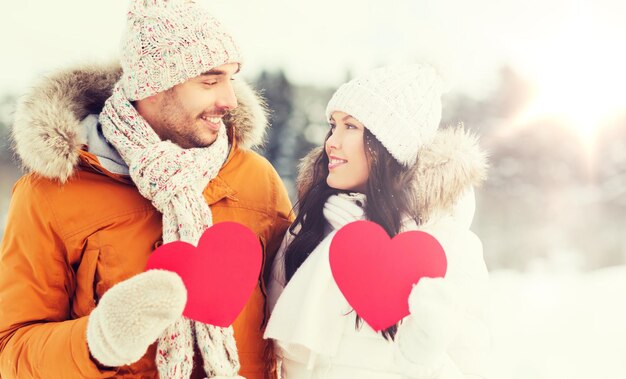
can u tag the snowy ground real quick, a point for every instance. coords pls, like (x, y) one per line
(559, 325)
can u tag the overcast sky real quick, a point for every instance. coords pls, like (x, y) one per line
(319, 41)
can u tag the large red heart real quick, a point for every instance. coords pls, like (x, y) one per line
(376, 273)
(220, 274)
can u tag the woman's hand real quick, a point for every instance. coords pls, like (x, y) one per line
(342, 209)
(425, 334)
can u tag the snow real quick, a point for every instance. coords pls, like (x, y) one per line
(558, 324)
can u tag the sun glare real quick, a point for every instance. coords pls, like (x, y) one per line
(578, 78)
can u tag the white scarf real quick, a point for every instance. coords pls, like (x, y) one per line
(173, 179)
(311, 312)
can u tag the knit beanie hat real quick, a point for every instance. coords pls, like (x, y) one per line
(167, 42)
(400, 105)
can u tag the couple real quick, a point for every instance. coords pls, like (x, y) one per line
(122, 161)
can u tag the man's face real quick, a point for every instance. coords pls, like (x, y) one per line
(190, 114)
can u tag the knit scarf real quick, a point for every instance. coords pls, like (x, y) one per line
(173, 179)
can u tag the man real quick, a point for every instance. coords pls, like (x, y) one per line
(163, 158)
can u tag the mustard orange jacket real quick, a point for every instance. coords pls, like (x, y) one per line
(67, 242)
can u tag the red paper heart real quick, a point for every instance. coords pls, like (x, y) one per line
(220, 274)
(376, 273)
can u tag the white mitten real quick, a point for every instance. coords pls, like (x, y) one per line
(425, 334)
(342, 209)
(132, 314)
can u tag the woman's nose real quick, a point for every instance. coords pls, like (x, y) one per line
(333, 142)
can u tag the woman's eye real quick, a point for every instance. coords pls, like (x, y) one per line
(332, 126)
(350, 126)
(209, 84)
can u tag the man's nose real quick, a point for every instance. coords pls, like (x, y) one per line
(227, 100)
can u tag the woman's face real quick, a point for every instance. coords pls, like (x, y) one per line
(348, 168)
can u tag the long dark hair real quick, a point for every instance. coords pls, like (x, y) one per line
(389, 200)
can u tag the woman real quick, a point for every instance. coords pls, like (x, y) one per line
(384, 160)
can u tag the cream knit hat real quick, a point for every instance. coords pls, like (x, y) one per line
(168, 42)
(400, 105)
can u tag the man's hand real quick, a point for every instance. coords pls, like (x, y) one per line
(132, 315)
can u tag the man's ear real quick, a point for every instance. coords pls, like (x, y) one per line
(154, 99)
(148, 105)
(151, 101)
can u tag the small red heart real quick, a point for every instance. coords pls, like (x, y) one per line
(376, 273)
(220, 274)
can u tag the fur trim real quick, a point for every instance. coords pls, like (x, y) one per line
(250, 116)
(47, 134)
(446, 167)
(305, 171)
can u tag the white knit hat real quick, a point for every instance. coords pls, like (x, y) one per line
(168, 42)
(400, 105)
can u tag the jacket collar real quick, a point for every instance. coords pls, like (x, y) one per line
(218, 190)
(47, 132)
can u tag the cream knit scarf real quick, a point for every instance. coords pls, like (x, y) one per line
(173, 179)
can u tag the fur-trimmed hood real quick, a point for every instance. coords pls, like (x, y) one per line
(446, 168)
(47, 131)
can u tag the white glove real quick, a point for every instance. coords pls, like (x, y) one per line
(133, 314)
(342, 209)
(423, 336)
